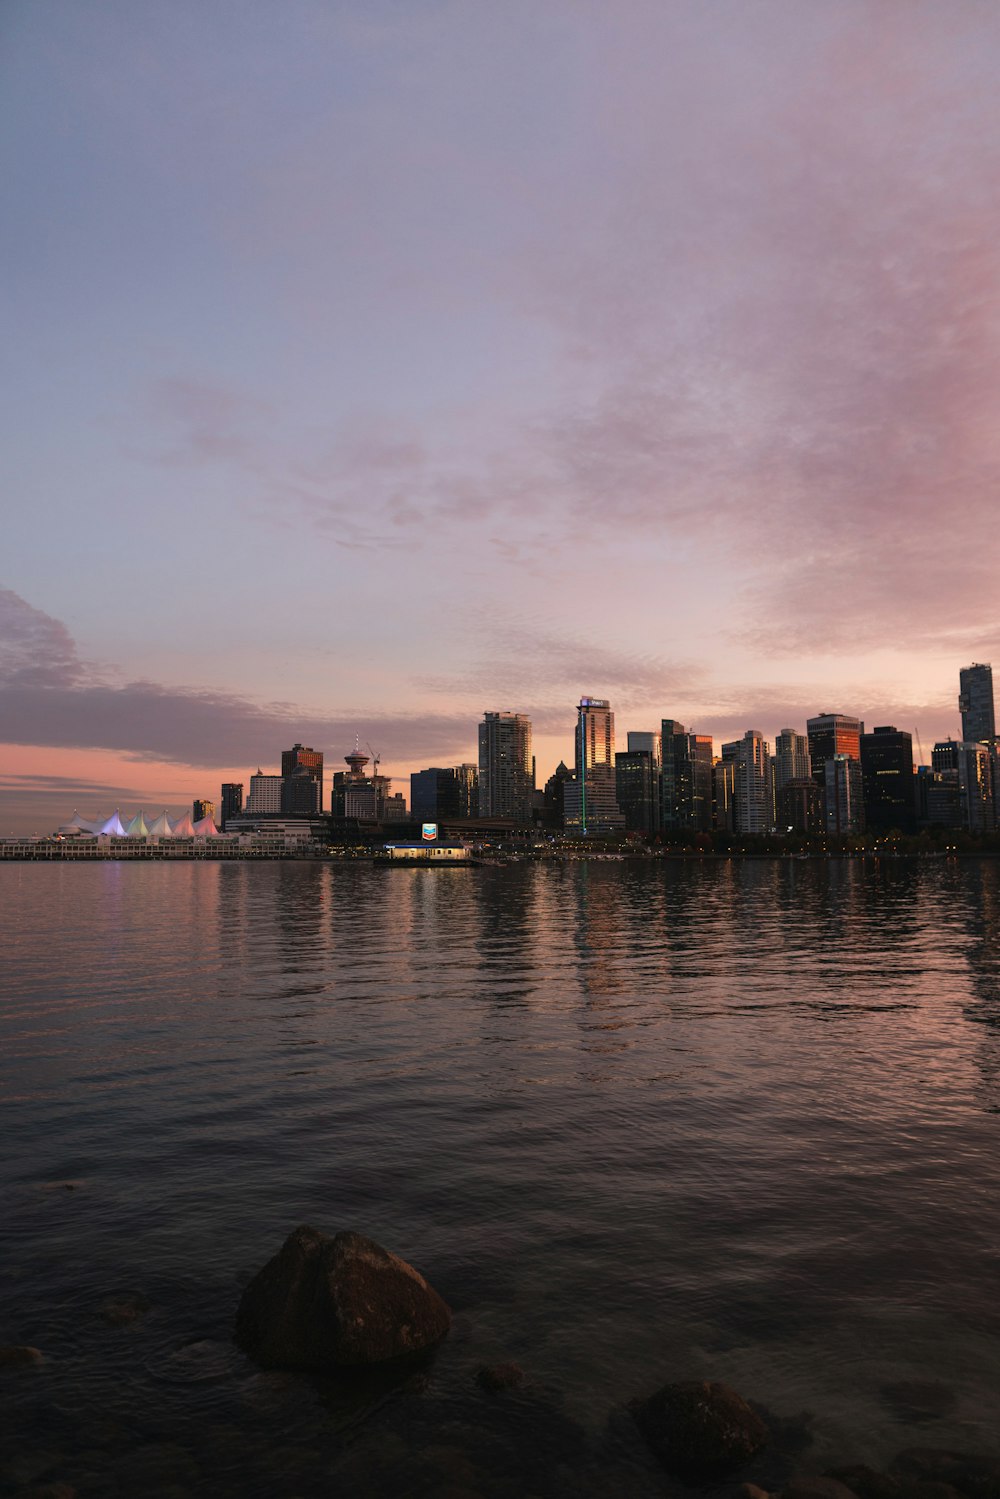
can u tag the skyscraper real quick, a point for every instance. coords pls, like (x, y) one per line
(975, 701)
(202, 808)
(265, 794)
(685, 779)
(832, 734)
(232, 800)
(887, 777)
(792, 760)
(753, 800)
(844, 802)
(637, 789)
(589, 800)
(506, 766)
(302, 757)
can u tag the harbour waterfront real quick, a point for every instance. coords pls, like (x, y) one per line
(636, 1122)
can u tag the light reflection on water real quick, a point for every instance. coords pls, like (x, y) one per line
(636, 1122)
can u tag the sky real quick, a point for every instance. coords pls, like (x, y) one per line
(370, 366)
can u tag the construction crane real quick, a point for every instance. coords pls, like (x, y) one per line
(376, 759)
(920, 748)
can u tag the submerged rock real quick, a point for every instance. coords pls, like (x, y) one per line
(698, 1429)
(328, 1303)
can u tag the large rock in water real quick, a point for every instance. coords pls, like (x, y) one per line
(699, 1430)
(325, 1303)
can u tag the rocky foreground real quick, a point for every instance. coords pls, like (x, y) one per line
(344, 1309)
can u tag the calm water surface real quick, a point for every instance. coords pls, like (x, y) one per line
(636, 1123)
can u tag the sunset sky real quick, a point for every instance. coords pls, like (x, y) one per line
(371, 365)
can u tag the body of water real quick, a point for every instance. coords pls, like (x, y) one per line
(635, 1122)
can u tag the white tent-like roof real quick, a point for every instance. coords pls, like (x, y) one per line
(161, 827)
(113, 826)
(183, 827)
(205, 828)
(78, 824)
(137, 827)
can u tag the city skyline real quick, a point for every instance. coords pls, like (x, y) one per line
(370, 369)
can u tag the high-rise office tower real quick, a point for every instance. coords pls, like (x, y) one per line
(300, 757)
(440, 792)
(832, 734)
(888, 780)
(685, 779)
(637, 789)
(202, 808)
(844, 799)
(975, 701)
(265, 794)
(506, 766)
(791, 761)
(232, 800)
(965, 768)
(589, 799)
(753, 798)
(644, 739)
(301, 793)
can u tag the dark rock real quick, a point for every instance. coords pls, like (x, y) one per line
(812, 1486)
(325, 1303)
(698, 1429)
(495, 1377)
(867, 1483)
(20, 1357)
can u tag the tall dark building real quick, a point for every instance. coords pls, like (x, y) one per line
(975, 701)
(553, 798)
(301, 793)
(589, 799)
(301, 757)
(685, 778)
(232, 800)
(439, 793)
(887, 777)
(506, 767)
(202, 808)
(637, 789)
(832, 734)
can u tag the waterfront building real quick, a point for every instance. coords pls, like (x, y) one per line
(301, 793)
(832, 734)
(685, 779)
(969, 765)
(887, 780)
(202, 809)
(799, 806)
(440, 792)
(975, 701)
(843, 796)
(265, 794)
(637, 789)
(232, 800)
(589, 799)
(553, 799)
(724, 795)
(506, 767)
(792, 761)
(359, 797)
(753, 798)
(304, 757)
